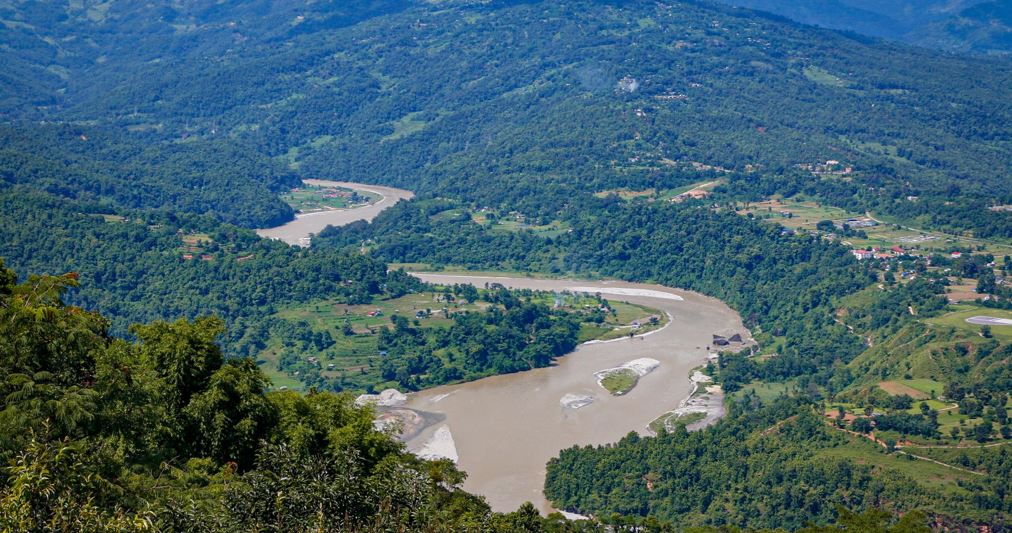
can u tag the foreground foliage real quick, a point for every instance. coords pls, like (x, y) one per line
(99, 434)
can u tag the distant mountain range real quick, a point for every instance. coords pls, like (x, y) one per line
(976, 26)
(490, 101)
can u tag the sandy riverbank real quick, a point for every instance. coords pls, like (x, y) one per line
(300, 231)
(706, 398)
(505, 428)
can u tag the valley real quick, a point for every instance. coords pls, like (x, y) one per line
(492, 420)
(573, 266)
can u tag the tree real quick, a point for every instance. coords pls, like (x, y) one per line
(232, 415)
(861, 425)
(982, 431)
(825, 225)
(183, 354)
(52, 486)
(46, 359)
(987, 282)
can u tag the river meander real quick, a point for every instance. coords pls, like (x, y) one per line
(502, 430)
(299, 231)
(505, 428)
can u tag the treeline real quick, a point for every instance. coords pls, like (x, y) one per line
(218, 178)
(520, 336)
(168, 434)
(947, 203)
(765, 466)
(136, 268)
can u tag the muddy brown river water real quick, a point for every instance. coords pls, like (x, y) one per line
(299, 231)
(504, 429)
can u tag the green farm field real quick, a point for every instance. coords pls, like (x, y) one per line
(308, 199)
(355, 355)
(957, 319)
(805, 214)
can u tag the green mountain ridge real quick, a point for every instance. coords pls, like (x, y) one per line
(492, 101)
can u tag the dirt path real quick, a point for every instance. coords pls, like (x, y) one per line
(897, 449)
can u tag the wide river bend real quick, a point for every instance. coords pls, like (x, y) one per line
(505, 428)
(502, 430)
(299, 231)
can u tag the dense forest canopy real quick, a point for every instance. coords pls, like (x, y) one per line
(527, 104)
(215, 178)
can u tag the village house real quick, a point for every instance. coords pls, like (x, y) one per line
(863, 254)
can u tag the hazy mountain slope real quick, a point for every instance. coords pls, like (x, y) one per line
(984, 28)
(56, 47)
(833, 14)
(960, 26)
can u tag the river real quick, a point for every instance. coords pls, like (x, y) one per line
(299, 231)
(504, 429)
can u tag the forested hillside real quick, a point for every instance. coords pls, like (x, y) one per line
(169, 434)
(217, 177)
(493, 102)
(983, 28)
(140, 266)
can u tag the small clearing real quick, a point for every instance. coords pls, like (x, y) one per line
(895, 388)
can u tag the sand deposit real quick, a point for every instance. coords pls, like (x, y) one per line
(439, 446)
(576, 401)
(387, 398)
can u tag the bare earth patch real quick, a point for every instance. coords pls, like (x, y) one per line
(896, 389)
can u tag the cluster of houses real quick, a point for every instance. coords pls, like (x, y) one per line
(829, 167)
(697, 194)
(331, 193)
(315, 361)
(876, 253)
(854, 223)
(895, 251)
(672, 96)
